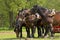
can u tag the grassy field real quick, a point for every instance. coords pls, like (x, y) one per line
(10, 35)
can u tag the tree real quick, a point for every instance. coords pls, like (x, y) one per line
(10, 8)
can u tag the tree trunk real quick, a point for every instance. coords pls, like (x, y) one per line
(10, 19)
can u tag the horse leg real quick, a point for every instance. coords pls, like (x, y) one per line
(42, 29)
(21, 32)
(46, 30)
(16, 30)
(17, 33)
(39, 31)
(28, 32)
(51, 30)
(33, 31)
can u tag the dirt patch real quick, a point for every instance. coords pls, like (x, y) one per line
(9, 32)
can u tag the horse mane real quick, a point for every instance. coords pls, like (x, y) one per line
(39, 9)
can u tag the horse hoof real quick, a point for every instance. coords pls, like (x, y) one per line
(31, 37)
(20, 36)
(39, 36)
(45, 36)
(52, 37)
(17, 37)
(27, 38)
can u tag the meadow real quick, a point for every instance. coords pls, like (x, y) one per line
(10, 35)
(9, 10)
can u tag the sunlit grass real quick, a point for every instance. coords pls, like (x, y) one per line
(10, 35)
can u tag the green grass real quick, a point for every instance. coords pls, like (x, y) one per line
(10, 35)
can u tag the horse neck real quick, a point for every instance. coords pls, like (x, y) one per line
(41, 13)
(38, 9)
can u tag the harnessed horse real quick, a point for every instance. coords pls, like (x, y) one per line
(19, 23)
(47, 18)
(28, 19)
(56, 23)
(57, 19)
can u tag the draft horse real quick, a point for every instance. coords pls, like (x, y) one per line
(57, 19)
(47, 17)
(27, 19)
(56, 23)
(19, 23)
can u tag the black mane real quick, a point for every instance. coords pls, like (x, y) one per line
(38, 9)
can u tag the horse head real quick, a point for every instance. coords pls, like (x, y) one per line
(24, 13)
(52, 13)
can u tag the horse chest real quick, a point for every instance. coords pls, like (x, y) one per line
(50, 19)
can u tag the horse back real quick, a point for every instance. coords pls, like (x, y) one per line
(57, 18)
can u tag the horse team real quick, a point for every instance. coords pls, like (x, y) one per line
(37, 16)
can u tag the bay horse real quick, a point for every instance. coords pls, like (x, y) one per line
(56, 23)
(47, 17)
(57, 19)
(27, 19)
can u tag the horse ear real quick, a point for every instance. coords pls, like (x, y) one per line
(52, 12)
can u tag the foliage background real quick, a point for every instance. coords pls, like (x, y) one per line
(9, 9)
